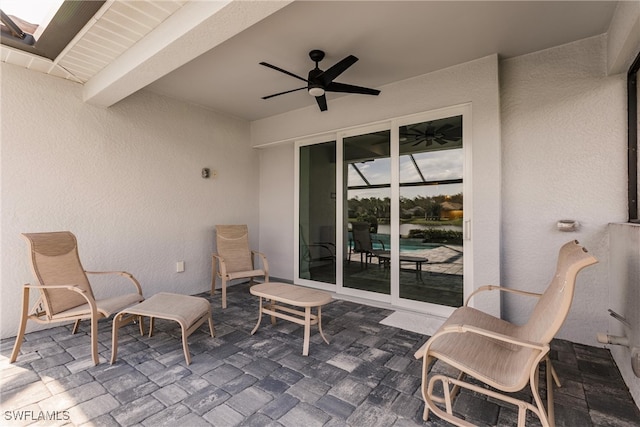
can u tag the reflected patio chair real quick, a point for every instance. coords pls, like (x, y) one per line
(234, 259)
(317, 252)
(500, 354)
(362, 243)
(65, 291)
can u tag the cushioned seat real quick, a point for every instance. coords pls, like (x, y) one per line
(65, 291)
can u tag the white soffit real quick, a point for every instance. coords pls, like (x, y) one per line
(116, 27)
(191, 31)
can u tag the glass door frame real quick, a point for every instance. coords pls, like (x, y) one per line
(296, 216)
(341, 215)
(393, 125)
(463, 110)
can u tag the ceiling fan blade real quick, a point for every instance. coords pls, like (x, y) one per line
(322, 102)
(283, 71)
(282, 93)
(337, 69)
(445, 127)
(342, 87)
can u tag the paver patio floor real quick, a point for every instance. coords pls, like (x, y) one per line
(366, 376)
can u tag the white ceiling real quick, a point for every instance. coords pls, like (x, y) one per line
(212, 63)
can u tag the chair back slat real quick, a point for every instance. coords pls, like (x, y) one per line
(55, 261)
(361, 237)
(553, 306)
(232, 243)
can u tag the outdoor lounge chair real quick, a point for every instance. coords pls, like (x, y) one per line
(317, 252)
(363, 244)
(234, 259)
(500, 354)
(65, 291)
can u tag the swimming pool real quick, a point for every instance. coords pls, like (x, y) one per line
(406, 244)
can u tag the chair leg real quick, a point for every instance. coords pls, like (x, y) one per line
(23, 325)
(75, 327)
(94, 341)
(211, 327)
(535, 391)
(551, 375)
(224, 292)
(425, 370)
(214, 273)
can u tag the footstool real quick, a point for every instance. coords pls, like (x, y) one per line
(190, 312)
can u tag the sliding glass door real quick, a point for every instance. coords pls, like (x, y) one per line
(399, 211)
(431, 211)
(317, 212)
(366, 207)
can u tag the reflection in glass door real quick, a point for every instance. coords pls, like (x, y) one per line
(367, 209)
(382, 210)
(431, 211)
(317, 212)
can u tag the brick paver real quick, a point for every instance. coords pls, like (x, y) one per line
(366, 376)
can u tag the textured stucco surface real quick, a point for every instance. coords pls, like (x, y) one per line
(564, 157)
(126, 180)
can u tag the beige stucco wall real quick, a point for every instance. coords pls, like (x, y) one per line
(564, 157)
(126, 180)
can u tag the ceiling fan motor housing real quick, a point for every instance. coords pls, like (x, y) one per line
(316, 85)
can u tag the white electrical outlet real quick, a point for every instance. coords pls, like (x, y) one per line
(180, 266)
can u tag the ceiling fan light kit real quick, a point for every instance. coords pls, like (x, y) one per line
(316, 91)
(319, 82)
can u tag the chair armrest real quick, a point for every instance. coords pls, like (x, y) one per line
(263, 258)
(382, 243)
(123, 274)
(73, 288)
(496, 335)
(501, 289)
(223, 266)
(324, 245)
(479, 331)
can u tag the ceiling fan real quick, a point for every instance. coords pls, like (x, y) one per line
(319, 82)
(443, 134)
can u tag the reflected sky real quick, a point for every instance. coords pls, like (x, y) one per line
(434, 166)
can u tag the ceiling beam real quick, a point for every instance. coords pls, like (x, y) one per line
(197, 27)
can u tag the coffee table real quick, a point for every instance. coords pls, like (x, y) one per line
(297, 296)
(190, 312)
(385, 260)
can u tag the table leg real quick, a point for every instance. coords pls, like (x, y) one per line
(141, 325)
(272, 307)
(185, 345)
(307, 331)
(259, 317)
(151, 319)
(320, 324)
(419, 270)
